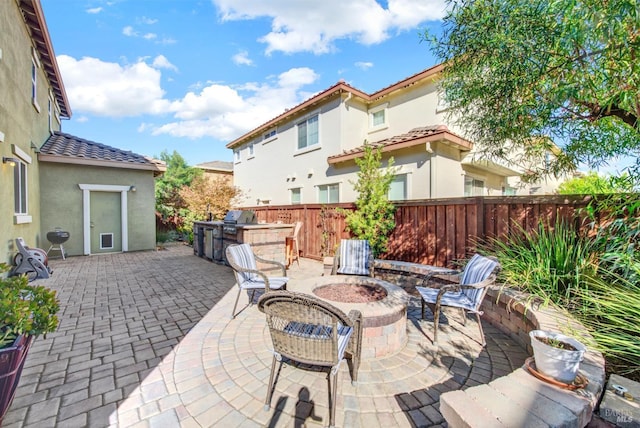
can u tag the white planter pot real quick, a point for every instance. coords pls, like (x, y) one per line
(560, 364)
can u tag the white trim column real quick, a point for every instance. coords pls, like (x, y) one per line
(86, 212)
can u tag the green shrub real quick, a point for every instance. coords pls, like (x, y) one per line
(610, 311)
(550, 263)
(25, 308)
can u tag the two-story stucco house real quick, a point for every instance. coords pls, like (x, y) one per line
(306, 155)
(103, 196)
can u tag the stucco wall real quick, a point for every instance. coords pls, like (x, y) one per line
(21, 125)
(62, 202)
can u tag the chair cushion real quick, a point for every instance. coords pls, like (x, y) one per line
(477, 270)
(313, 331)
(455, 298)
(243, 256)
(354, 257)
(275, 282)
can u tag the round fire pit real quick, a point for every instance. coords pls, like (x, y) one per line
(382, 304)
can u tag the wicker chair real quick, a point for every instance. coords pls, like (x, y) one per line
(467, 294)
(244, 264)
(354, 257)
(307, 330)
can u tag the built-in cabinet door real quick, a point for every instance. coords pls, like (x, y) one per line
(106, 222)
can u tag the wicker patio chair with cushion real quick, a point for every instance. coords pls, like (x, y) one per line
(244, 264)
(467, 294)
(307, 330)
(354, 257)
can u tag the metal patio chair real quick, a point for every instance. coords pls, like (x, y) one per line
(248, 277)
(307, 330)
(467, 294)
(353, 257)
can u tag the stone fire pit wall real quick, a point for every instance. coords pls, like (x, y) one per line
(519, 396)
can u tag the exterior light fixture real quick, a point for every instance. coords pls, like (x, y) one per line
(133, 188)
(10, 161)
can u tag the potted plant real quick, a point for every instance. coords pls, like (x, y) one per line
(556, 355)
(26, 310)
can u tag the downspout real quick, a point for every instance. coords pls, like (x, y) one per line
(432, 170)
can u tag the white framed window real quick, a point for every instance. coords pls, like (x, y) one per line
(473, 186)
(508, 190)
(270, 135)
(50, 113)
(329, 193)
(442, 102)
(378, 117)
(236, 155)
(296, 196)
(308, 133)
(251, 150)
(35, 65)
(398, 189)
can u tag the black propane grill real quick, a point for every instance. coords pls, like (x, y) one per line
(236, 217)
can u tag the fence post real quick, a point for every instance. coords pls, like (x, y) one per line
(480, 219)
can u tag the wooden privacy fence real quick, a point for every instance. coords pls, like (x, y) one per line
(434, 231)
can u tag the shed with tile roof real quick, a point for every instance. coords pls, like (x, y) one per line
(103, 196)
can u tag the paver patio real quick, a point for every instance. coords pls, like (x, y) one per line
(146, 339)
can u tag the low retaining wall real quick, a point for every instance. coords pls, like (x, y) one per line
(517, 399)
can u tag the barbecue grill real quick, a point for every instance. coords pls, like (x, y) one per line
(57, 237)
(236, 217)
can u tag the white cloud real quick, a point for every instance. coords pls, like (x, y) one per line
(242, 58)
(314, 26)
(150, 36)
(162, 62)
(94, 10)
(148, 21)
(225, 112)
(109, 89)
(364, 65)
(100, 88)
(129, 31)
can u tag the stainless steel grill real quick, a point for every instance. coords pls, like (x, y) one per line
(236, 217)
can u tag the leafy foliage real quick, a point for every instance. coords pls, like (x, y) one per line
(615, 225)
(548, 263)
(170, 206)
(204, 196)
(521, 73)
(373, 218)
(24, 308)
(595, 184)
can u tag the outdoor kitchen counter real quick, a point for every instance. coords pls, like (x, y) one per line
(267, 240)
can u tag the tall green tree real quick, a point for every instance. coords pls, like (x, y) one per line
(170, 206)
(374, 217)
(593, 183)
(519, 71)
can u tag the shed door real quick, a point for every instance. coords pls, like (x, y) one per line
(106, 225)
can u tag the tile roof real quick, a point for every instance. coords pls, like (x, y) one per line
(216, 166)
(413, 137)
(65, 148)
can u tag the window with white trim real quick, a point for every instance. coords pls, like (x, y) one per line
(378, 117)
(398, 188)
(50, 113)
(269, 135)
(473, 186)
(34, 82)
(236, 155)
(251, 150)
(296, 196)
(329, 194)
(20, 189)
(308, 134)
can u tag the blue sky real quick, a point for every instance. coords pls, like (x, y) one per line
(192, 75)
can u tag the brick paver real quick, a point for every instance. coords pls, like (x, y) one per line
(146, 339)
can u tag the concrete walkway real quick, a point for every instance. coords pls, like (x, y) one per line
(146, 340)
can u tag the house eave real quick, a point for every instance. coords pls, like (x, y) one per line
(34, 19)
(104, 163)
(445, 137)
